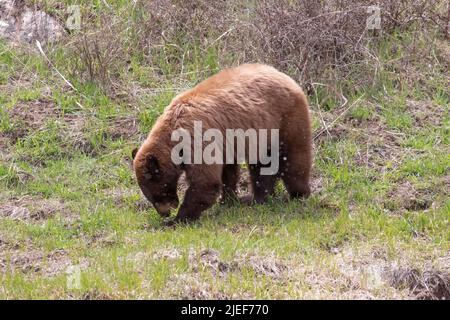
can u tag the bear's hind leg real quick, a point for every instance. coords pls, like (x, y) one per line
(294, 171)
(262, 185)
(230, 178)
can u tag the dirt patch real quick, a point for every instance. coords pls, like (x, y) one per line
(190, 285)
(209, 259)
(33, 116)
(187, 286)
(13, 135)
(6, 244)
(18, 175)
(142, 205)
(378, 146)
(101, 239)
(4, 141)
(121, 197)
(350, 273)
(426, 285)
(374, 273)
(30, 116)
(316, 182)
(123, 128)
(167, 254)
(425, 113)
(77, 141)
(35, 261)
(405, 196)
(31, 209)
(97, 295)
(336, 133)
(268, 266)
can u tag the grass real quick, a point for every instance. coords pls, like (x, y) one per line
(68, 195)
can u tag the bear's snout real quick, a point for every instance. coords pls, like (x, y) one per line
(164, 208)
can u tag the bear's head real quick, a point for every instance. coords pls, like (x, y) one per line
(157, 177)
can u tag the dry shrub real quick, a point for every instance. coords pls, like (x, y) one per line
(101, 52)
(426, 285)
(313, 41)
(180, 22)
(329, 41)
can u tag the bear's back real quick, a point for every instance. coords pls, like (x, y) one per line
(234, 78)
(249, 96)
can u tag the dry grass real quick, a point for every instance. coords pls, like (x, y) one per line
(426, 285)
(315, 42)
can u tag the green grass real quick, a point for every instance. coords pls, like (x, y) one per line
(380, 196)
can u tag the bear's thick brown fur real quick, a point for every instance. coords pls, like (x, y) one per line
(249, 96)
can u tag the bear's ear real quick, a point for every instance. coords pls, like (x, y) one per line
(152, 170)
(133, 153)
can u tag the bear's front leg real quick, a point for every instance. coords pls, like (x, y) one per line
(197, 199)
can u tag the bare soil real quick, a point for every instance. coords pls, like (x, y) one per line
(35, 261)
(33, 209)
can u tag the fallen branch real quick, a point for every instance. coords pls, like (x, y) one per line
(38, 44)
(338, 117)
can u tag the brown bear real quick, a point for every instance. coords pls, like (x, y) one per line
(251, 96)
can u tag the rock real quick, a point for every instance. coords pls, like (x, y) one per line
(18, 24)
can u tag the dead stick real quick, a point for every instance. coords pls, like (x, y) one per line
(337, 118)
(38, 44)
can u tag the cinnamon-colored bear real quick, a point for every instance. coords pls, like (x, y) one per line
(251, 96)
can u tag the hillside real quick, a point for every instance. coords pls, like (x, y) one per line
(73, 221)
